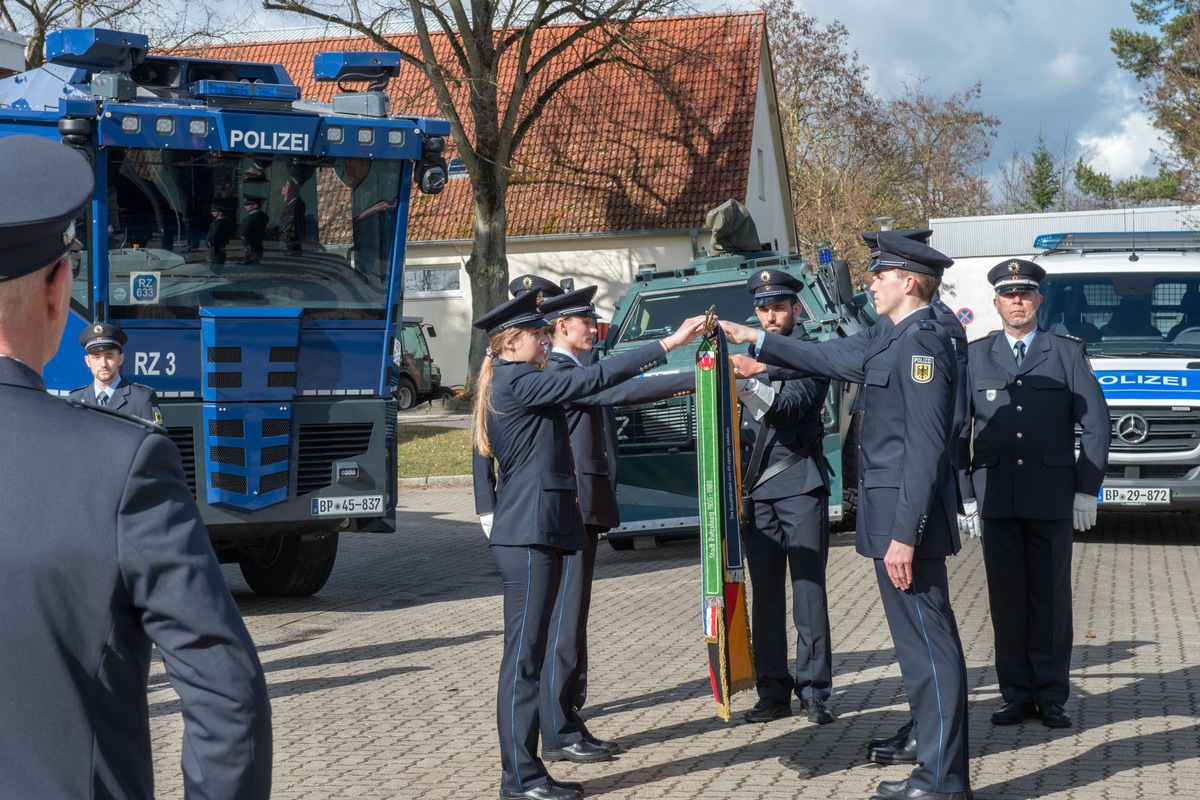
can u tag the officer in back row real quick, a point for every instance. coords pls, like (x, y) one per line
(786, 523)
(1030, 390)
(907, 520)
(104, 554)
(103, 352)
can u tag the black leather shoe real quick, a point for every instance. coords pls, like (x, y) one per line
(904, 753)
(1053, 716)
(900, 790)
(572, 785)
(546, 791)
(582, 752)
(611, 747)
(896, 739)
(1013, 712)
(818, 712)
(768, 711)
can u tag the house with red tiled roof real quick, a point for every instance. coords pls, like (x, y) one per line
(620, 169)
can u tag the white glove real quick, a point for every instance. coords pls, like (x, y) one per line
(1085, 511)
(969, 524)
(485, 520)
(756, 396)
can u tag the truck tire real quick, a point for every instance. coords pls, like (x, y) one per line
(289, 566)
(850, 474)
(406, 393)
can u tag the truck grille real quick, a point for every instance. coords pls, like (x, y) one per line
(185, 440)
(664, 424)
(1169, 472)
(1167, 431)
(322, 444)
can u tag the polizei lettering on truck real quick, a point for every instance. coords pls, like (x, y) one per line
(274, 141)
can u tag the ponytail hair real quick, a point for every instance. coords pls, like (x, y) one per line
(483, 388)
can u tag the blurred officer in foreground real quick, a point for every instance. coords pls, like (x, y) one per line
(104, 554)
(103, 352)
(901, 747)
(785, 525)
(572, 318)
(1029, 390)
(907, 498)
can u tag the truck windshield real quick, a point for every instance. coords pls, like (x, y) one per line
(1134, 313)
(196, 228)
(655, 314)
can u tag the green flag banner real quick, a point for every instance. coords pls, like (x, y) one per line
(726, 626)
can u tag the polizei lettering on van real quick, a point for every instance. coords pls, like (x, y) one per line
(1147, 384)
(275, 141)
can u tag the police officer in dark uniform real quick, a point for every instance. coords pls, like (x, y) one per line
(220, 231)
(104, 552)
(253, 228)
(572, 317)
(907, 498)
(519, 420)
(103, 347)
(1029, 390)
(786, 527)
(901, 747)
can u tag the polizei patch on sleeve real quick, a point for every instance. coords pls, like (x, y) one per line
(922, 369)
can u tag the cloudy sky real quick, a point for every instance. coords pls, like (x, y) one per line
(1045, 65)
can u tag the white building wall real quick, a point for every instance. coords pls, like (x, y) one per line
(768, 197)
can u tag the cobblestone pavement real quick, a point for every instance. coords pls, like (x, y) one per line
(383, 685)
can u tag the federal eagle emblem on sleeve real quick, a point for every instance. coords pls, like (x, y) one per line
(922, 369)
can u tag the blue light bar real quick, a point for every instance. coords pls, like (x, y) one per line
(261, 91)
(1047, 241)
(334, 66)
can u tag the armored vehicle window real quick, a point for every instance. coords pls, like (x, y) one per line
(655, 314)
(191, 229)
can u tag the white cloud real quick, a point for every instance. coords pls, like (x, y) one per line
(1126, 151)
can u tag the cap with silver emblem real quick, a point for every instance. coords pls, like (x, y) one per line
(46, 186)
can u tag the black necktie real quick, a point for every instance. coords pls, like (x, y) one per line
(102, 398)
(1019, 347)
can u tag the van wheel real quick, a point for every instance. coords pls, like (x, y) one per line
(289, 566)
(406, 393)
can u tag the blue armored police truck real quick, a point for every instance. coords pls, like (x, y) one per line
(251, 244)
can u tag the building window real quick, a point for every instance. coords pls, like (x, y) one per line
(435, 280)
(762, 177)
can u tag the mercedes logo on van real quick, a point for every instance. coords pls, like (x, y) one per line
(1133, 429)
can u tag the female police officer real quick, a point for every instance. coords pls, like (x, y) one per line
(519, 421)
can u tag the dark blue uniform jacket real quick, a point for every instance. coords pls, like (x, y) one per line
(906, 482)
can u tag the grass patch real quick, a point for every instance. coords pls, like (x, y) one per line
(426, 450)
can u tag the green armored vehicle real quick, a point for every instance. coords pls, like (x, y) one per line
(656, 441)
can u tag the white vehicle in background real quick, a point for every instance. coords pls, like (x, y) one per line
(1134, 298)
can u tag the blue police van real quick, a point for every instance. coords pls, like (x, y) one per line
(251, 244)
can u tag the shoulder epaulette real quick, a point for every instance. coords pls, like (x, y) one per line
(144, 423)
(1064, 335)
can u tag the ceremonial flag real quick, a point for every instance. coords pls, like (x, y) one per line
(726, 625)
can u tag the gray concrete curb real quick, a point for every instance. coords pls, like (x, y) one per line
(435, 480)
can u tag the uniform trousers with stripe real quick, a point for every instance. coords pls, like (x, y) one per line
(564, 673)
(530, 576)
(934, 670)
(1028, 564)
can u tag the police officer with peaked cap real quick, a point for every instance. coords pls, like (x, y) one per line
(572, 317)
(520, 422)
(89, 584)
(907, 499)
(901, 747)
(1030, 390)
(787, 524)
(103, 348)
